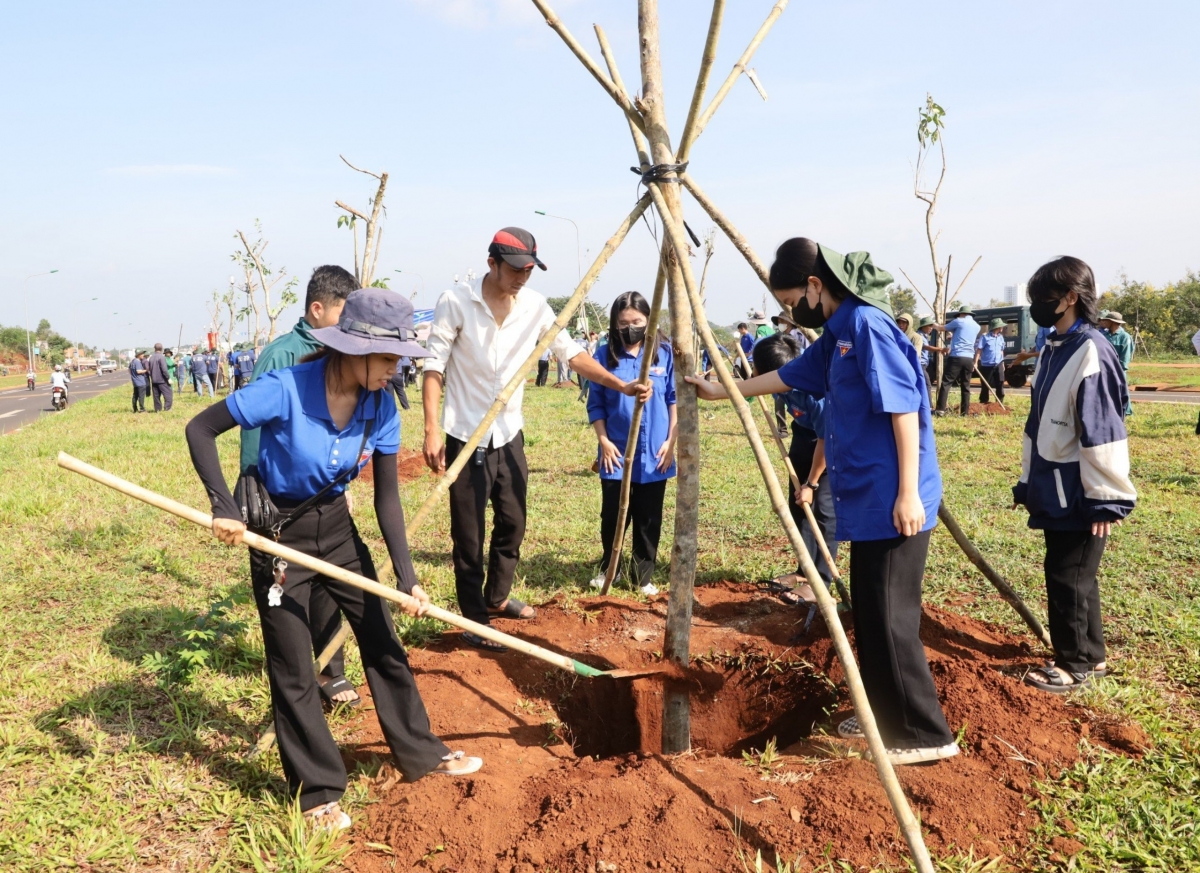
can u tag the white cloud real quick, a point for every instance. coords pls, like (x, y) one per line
(168, 170)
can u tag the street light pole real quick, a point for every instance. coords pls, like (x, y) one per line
(578, 261)
(28, 336)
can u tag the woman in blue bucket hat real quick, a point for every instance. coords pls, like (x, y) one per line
(321, 421)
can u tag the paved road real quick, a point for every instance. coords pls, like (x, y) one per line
(20, 406)
(1192, 397)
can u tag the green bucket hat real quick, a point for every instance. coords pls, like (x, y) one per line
(859, 275)
(965, 309)
(995, 323)
(926, 321)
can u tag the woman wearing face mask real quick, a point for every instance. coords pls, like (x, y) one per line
(320, 421)
(1074, 467)
(610, 413)
(885, 480)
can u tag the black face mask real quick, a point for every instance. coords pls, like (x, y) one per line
(631, 336)
(807, 316)
(1045, 314)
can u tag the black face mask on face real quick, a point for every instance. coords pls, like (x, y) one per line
(807, 316)
(631, 336)
(1044, 314)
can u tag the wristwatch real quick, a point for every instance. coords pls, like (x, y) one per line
(811, 485)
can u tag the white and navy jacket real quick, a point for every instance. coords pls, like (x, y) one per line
(1075, 458)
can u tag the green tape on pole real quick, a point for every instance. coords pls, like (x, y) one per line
(585, 670)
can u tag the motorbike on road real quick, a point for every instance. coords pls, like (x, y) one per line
(58, 398)
(31, 381)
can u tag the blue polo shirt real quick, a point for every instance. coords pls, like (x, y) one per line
(212, 361)
(299, 450)
(747, 343)
(616, 410)
(806, 411)
(991, 349)
(244, 361)
(867, 370)
(138, 379)
(963, 332)
(199, 365)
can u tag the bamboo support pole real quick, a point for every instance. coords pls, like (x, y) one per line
(858, 696)
(292, 556)
(580, 52)
(518, 379)
(769, 415)
(649, 344)
(706, 62)
(738, 69)
(676, 727)
(1006, 591)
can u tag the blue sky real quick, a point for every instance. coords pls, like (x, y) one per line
(141, 135)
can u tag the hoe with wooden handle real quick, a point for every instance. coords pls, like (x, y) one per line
(268, 545)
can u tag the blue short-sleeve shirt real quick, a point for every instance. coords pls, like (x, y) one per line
(806, 411)
(616, 410)
(963, 332)
(300, 451)
(991, 349)
(867, 370)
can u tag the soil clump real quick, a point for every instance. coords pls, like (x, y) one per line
(992, 408)
(573, 779)
(410, 465)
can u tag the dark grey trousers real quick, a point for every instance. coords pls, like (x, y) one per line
(1073, 596)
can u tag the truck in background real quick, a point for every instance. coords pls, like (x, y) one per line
(1020, 335)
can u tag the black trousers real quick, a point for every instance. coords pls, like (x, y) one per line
(885, 584)
(957, 371)
(644, 517)
(781, 416)
(162, 395)
(502, 480)
(139, 398)
(994, 376)
(800, 452)
(311, 760)
(543, 373)
(1073, 596)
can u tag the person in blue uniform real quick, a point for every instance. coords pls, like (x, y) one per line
(807, 454)
(884, 476)
(610, 413)
(989, 358)
(200, 374)
(212, 362)
(1074, 467)
(960, 362)
(320, 422)
(242, 366)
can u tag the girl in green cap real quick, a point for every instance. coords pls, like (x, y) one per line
(883, 473)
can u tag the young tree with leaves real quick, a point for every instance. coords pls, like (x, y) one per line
(364, 266)
(251, 260)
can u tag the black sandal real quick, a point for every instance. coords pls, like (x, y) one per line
(513, 609)
(337, 686)
(1056, 680)
(482, 643)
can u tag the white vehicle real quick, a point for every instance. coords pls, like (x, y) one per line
(105, 366)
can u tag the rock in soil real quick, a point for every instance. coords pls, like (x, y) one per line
(573, 779)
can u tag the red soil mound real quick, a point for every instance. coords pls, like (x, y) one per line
(992, 408)
(410, 465)
(572, 780)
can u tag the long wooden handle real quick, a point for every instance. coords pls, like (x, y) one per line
(990, 389)
(265, 544)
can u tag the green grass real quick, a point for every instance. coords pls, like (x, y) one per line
(132, 685)
(1185, 372)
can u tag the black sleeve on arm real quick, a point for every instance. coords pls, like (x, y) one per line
(391, 520)
(202, 432)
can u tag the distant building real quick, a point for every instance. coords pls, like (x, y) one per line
(1014, 295)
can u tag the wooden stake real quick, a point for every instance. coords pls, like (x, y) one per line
(990, 389)
(649, 345)
(858, 695)
(518, 379)
(1007, 592)
(676, 729)
(706, 61)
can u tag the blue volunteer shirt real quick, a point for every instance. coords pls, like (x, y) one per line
(991, 349)
(199, 365)
(138, 379)
(212, 361)
(747, 343)
(300, 451)
(963, 332)
(806, 411)
(866, 370)
(244, 361)
(616, 410)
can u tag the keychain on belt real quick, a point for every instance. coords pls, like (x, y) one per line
(275, 592)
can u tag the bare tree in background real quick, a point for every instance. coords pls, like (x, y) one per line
(253, 263)
(365, 264)
(215, 325)
(229, 298)
(930, 132)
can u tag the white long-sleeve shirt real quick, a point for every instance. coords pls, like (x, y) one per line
(478, 357)
(58, 380)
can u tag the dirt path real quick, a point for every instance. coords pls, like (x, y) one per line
(572, 779)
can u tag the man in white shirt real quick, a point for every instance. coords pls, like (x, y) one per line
(59, 379)
(482, 334)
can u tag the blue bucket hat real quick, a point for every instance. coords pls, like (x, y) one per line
(374, 321)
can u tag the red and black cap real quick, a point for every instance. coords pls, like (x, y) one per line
(516, 246)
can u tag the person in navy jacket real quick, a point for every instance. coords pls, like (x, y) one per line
(884, 476)
(610, 413)
(320, 422)
(1074, 466)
